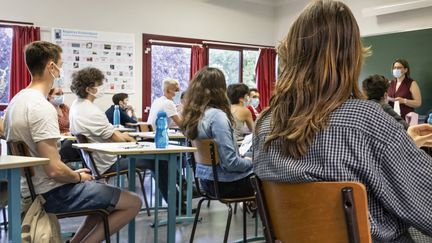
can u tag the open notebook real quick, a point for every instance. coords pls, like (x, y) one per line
(246, 144)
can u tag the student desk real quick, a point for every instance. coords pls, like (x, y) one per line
(147, 150)
(172, 135)
(124, 129)
(10, 168)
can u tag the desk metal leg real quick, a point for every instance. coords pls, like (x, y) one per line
(172, 169)
(14, 207)
(131, 174)
(189, 173)
(157, 195)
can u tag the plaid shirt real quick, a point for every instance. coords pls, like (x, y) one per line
(362, 143)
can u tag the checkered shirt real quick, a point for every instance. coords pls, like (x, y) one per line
(361, 143)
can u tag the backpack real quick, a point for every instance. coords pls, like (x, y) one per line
(39, 226)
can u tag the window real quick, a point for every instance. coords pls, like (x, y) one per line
(5, 63)
(169, 62)
(170, 57)
(228, 62)
(250, 59)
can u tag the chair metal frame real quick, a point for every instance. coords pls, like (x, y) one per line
(19, 148)
(214, 161)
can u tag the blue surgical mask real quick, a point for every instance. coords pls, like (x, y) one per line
(99, 91)
(254, 102)
(58, 100)
(246, 102)
(176, 97)
(397, 73)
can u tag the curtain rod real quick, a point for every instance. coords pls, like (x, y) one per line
(15, 22)
(239, 45)
(174, 42)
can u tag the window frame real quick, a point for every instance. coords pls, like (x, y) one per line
(146, 53)
(3, 106)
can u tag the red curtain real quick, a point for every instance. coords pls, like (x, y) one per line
(266, 75)
(198, 59)
(19, 76)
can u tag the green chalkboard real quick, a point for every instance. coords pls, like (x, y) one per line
(415, 47)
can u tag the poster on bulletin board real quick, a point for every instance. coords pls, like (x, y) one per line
(112, 53)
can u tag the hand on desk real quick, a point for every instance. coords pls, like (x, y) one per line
(421, 134)
(85, 174)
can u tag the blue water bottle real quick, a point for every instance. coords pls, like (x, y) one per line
(430, 119)
(161, 137)
(116, 116)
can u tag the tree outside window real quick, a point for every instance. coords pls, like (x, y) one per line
(5, 63)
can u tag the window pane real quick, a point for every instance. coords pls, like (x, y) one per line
(5, 63)
(249, 62)
(228, 62)
(169, 62)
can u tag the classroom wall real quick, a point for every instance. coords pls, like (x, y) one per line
(223, 20)
(404, 21)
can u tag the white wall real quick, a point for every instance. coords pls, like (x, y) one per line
(223, 20)
(404, 21)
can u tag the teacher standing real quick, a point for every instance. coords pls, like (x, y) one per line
(403, 88)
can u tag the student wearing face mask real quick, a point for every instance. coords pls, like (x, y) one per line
(239, 98)
(127, 113)
(56, 98)
(254, 103)
(166, 103)
(403, 89)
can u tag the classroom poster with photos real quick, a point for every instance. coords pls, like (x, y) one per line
(112, 53)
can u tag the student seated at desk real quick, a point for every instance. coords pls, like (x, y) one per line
(375, 88)
(238, 95)
(318, 126)
(207, 93)
(127, 113)
(88, 120)
(166, 103)
(56, 98)
(32, 119)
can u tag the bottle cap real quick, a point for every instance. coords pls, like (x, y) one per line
(116, 106)
(161, 114)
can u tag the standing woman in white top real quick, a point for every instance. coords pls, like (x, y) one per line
(238, 95)
(403, 88)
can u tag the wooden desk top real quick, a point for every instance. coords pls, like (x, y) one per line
(11, 162)
(151, 135)
(132, 148)
(67, 137)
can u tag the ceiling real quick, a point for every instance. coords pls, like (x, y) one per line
(273, 3)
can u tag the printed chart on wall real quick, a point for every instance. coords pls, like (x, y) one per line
(112, 53)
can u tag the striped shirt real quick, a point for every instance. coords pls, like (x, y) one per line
(361, 143)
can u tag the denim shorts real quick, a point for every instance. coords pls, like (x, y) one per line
(81, 196)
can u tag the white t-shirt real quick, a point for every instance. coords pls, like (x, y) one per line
(31, 118)
(87, 119)
(162, 104)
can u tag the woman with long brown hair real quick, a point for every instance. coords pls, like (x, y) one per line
(318, 127)
(207, 115)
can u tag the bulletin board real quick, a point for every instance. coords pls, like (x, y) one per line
(112, 53)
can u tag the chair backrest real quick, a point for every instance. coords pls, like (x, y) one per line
(19, 148)
(87, 156)
(208, 155)
(207, 152)
(145, 127)
(314, 212)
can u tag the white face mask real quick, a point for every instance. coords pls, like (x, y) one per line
(254, 102)
(176, 97)
(100, 90)
(58, 81)
(58, 100)
(397, 73)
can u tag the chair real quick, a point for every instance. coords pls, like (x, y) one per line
(322, 212)
(207, 154)
(89, 163)
(21, 149)
(145, 127)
